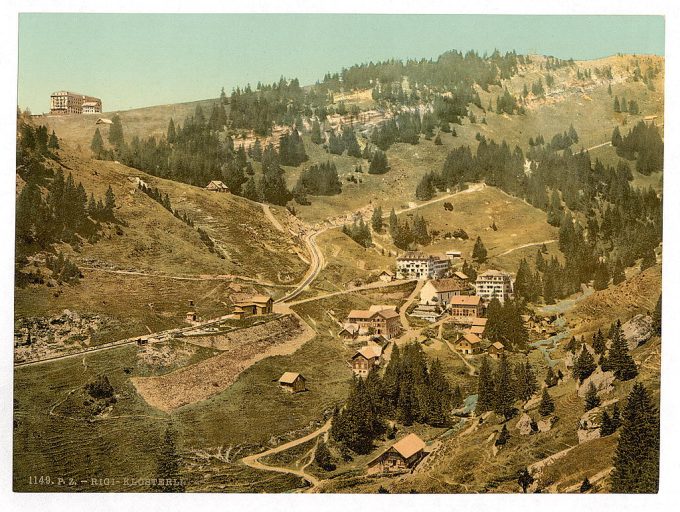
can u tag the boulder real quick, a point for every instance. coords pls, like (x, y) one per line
(546, 424)
(524, 424)
(602, 381)
(638, 330)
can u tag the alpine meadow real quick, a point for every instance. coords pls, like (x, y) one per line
(410, 275)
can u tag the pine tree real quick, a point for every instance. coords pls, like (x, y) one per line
(377, 219)
(525, 380)
(617, 105)
(503, 436)
(619, 360)
(485, 387)
(504, 394)
(171, 134)
(585, 485)
(618, 273)
(525, 479)
(606, 425)
(547, 405)
(599, 344)
(591, 398)
(53, 142)
(97, 144)
(168, 464)
(323, 458)
(479, 251)
(394, 224)
(116, 138)
(601, 277)
(584, 366)
(636, 461)
(109, 202)
(550, 377)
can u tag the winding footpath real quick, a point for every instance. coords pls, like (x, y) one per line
(253, 461)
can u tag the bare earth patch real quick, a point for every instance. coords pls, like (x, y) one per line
(212, 376)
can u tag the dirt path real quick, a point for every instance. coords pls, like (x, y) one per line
(471, 369)
(200, 277)
(524, 246)
(268, 213)
(371, 286)
(253, 461)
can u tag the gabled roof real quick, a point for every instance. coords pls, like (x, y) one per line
(388, 313)
(217, 184)
(493, 272)
(409, 446)
(477, 329)
(470, 338)
(388, 272)
(290, 377)
(449, 285)
(460, 275)
(465, 300)
(366, 314)
(498, 345)
(479, 321)
(255, 300)
(360, 313)
(369, 352)
(380, 307)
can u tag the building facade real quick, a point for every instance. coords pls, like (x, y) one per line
(417, 265)
(400, 457)
(67, 102)
(440, 291)
(293, 382)
(257, 305)
(494, 284)
(466, 306)
(384, 322)
(365, 359)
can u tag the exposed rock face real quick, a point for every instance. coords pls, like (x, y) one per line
(524, 424)
(637, 331)
(601, 380)
(546, 424)
(589, 424)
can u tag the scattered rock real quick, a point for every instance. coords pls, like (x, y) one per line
(546, 424)
(638, 330)
(601, 380)
(524, 424)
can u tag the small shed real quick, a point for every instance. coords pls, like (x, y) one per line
(217, 186)
(401, 456)
(293, 382)
(192, 316)
(386, 276)
(496, 349)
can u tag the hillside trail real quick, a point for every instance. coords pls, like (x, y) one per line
(253, 461)
(524, 246)
(268, 213)
(371, 286)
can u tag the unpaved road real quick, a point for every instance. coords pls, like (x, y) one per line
(523, 246)
(254, 460)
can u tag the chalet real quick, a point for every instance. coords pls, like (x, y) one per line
(421, 266)
(349, 331)
(293, 382)
(386, 276)
(191, 316)
(496, 349)
(468, 344)
(257, 305)
(440, 291)
(469, 306)
(383, 321)
(217, 186)
(478, 326)
(401, 456)
(365, 359)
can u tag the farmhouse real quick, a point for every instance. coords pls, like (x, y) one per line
(468, 343)
(440, 291)
(494, 284)
(384, 322)
(401, 456)
(466, 306)
(417, 265)
(217, 186)
(256, 305)
(365, 359)
(496, 349)
(349, 331)
(293, 382)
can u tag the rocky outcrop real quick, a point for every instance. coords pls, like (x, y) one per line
(524, 424)
(638, 330)
(546, 424)
(589, 424)
(601, 380)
